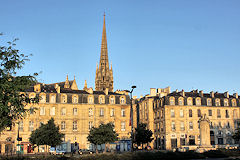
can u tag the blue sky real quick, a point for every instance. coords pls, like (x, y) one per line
(184, 44)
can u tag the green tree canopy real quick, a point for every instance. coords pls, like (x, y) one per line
(47, 134)
(103, 134)
(142, 135)
(12, 102)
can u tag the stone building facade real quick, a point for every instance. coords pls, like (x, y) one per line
(75, 111)
(175, 117)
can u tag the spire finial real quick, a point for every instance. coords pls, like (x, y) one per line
(85, 85)
(74, 77)
(66, 85)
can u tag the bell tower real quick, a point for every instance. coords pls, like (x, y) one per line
(104, 74)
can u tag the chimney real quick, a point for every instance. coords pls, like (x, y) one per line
(183, 93)
(176, 90)
(212, 94)
(106, 91)
(153, 92)
(226, 94)
(235, 95)
(201, 93)
(37, 88)
(58, 89)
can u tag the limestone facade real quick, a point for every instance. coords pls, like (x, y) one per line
(176, 115)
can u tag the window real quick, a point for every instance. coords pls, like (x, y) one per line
(123, 126)
(209, 112)
(227, 114)
(220, 124)
(63, 125)
(181, 113)
(225, 102)
(31, 126)
(42, 99)
(182, 128)
(75, 111)
(90, 100)
(20, 125)
(228, 125)
(217, 102)
(123, 112)
(112, 100)
(190, 112)
(191, 125)
(90, 112)
(122, 100)
(64, 98)
(218, 113)
(90, 125)
(52, 99)
(189, 101)
(63, 111)
(172, 113)
(52, 111)
(209, 102)
(198, 102)
(180, 101)
(234, 104)
(75, 99)
(42, 111)
(101, 112)
(112, 112)
(74, 125)
(173, 126)
(199, 112)
(172, 101)
(101, 100)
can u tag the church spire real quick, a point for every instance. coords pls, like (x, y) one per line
(104, 51)
(67, 85)
(104, 78)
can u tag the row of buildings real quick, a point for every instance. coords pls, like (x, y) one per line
(172, 116)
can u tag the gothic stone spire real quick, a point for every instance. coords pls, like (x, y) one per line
(104, 78)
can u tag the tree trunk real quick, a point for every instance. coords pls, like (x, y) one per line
(96, 149)
(105, 147)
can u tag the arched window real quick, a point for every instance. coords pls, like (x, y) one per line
(122, 100)
(90, 100)
(189, 102)
(198, 101)
(209, 102)
(225, 102)
(64, 98)
(217, 102)
(75, 99)
(172, 101)
(52, 98)
(42, 98)
(112, 100)
(234, 104)
(101, 99)
(180, 101)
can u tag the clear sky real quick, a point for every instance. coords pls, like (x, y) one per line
(184, 44)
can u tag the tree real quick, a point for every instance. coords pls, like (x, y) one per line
(47, 134)
(103, 134)
(236, 135)
(12, 99)
(142, 135)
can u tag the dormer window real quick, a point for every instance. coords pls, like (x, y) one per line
(64, 98)
(180, 101)
(75, 99)
(52, 99)
(101, 99)
(172, 101)
(225, 102)
(122, 100)
(90, 100)
(189, 101)
(32, 95)
(217, 102)
(112, 100)
(198, 101)
(209, 102)
(234, 104)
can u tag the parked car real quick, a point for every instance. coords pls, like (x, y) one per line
(55, 151)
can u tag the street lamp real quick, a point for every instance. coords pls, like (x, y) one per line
(131, 113)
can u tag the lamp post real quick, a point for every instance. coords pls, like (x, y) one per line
(131, 113)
